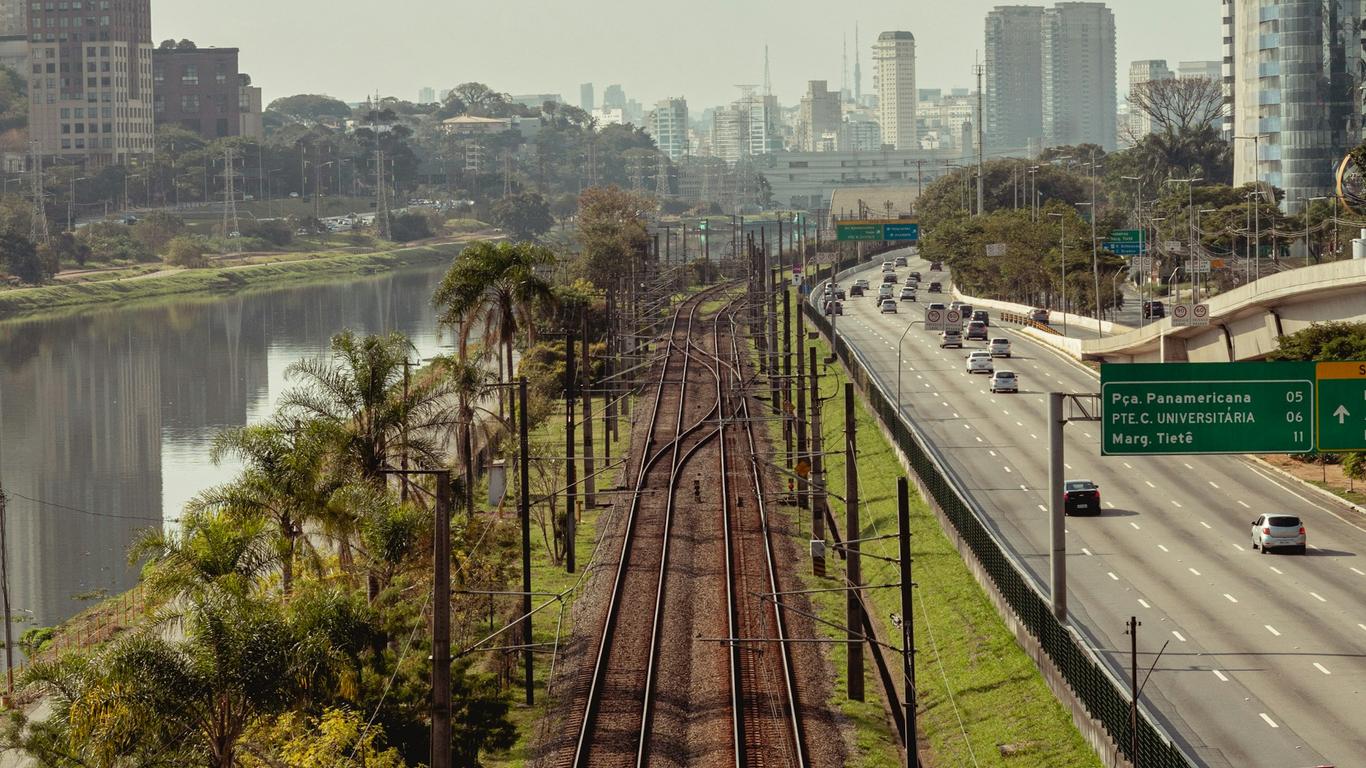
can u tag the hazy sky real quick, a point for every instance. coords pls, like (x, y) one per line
(699, 49)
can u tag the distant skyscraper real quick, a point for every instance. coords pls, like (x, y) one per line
(1014, 78)
(1079, 99)
(426, 95)
(1140, 72)
(668, 124)
(1291, 76)
(1188, 69)
(818, 114)
(746, 127)
(858, 69)
(12, 18)
(586, 102)
(614, 96)
(894, 58)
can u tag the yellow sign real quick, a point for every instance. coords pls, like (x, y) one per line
(803, 468)
(1216, 263)
(1340, 370)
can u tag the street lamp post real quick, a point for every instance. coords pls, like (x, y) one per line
(1095, 254)
(1257, 211)
(71, 201)
(1200, 234)
(1153, 294)
(909, 326)
(1190, 223)
(1062, 221)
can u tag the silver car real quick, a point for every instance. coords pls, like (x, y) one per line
(1278, 532)
(1004, 381)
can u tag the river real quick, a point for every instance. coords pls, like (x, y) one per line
(106, 417)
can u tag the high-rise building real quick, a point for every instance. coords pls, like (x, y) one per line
(1139, 124)
(1291, 76)
(614, 96)
(426, 95)
(944, 117)
(1210, 69)
(668, 124)
(818, 115)
(1079, 99)
(1014, 78)
(894, 60)
(198, 89)
(748, 126)
(586, 102)
(12, 18)
(91, 98)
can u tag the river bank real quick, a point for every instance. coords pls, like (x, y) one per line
(31, 302)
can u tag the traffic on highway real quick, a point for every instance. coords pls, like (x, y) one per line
(1247, 583)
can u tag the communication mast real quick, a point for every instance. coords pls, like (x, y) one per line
(661, 178)
(231, 225)
(38, 221)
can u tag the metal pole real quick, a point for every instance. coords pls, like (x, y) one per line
(441, 625)
(1134, 624)
(589, 482)
(787, 374)
(570, 470)
(1056, 512)
(802, 414)
(903, 524)
(817, 470)
(525, 459)
(852, 533)
(1095, 255)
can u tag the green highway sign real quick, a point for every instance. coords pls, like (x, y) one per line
(1341, 399)
(1126, 236)
(877, 230)
(1192, 408)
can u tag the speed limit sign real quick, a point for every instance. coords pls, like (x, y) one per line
(934, 320)
(1180, 312)
(953, 318)
(1200, 314)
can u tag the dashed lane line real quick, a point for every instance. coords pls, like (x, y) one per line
(1207, 525)
(1272, 630)
(1178, 636)
(1318, 597)
(1357, 572)
(1192, 570)
(1268, 720)
(1135, 525)
(1143, 603)
(1150, 483)
(1321, 668)
(1086, 551)
(1230, 598)
(1214, 485)
(1243, 504)
(1164, 549)
(1278, 571)
(1220, 675)
(1112, 575)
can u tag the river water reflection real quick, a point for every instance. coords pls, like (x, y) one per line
(106, 417)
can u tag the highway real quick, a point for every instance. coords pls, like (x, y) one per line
(1266, 657)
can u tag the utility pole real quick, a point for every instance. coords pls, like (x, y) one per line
(817, 474)
(852, 534)
(1132, 632)
(803, 454)
(441, 625)
(4, 593)
(903, 524)
(570, 470)
(589, 465)
(979, 70)
(524, 459)
(787, 375)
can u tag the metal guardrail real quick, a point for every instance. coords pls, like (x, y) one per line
(1094, 684)
(1026, 321)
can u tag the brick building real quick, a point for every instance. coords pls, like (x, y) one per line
(198, 89)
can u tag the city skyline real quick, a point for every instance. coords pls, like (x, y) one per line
(647, 67)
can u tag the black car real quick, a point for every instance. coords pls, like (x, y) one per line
(1081, 497)
(937, 266)
(966, 311)
(889, 277)
(856, 291)
(1153, 310)
(834, 308)
(982, 317)
(936, 288)
(916, 275)
(839, 294)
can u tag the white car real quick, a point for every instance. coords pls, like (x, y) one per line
(1004, 381)
(861, 283)
(888, 306)
(1000, 347)
(887, 266)
(951, 338)
(1277, 532)
(979, 362)
(908, 293)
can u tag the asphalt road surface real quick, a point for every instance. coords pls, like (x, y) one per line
(1265, 663)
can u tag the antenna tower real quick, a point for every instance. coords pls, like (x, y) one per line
(38, 221)
(858, 70)
(661, 178)
(844, 70)
(768, 81)
(507, 174)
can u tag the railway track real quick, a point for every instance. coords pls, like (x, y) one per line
(699, 418)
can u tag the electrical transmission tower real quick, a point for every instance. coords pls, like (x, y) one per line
(661, 178)
(507, 174)
(38, 221)
(231, 226)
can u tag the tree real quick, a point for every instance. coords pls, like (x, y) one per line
(186, 45)
(612, 232)
(481, 100)
(22, 259)
(157, 229)
(1178, 105)
(310, 107)
(526, 216)
(409, 226)
(187, 251)
(1333, 341)
(339, 738)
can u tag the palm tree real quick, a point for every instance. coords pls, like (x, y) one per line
(211, 553)
(497, 285)
(472, 383)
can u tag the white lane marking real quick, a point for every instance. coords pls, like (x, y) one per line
(1176, 504)
(1006, 468)
(1207, 525)
(1244, 506)
(1187, 466)
(1359, 573)
(1150, 483)
(1088, 435)
(1112, 575)
(1268, 720)
(955, 415)
(1127, 465)
(1318, 597)
(1272, 630)
(1231, 598)
(979, 439)
(1143, 603)
(1192, 570)
(1236, 548)
(1042, 508)
(1019, 423)
(1033, 437)
(993, 453)
(1363, 626)
(946, 405)
(1220, 675)
(1135, 525)
(1024, 487)
(1065, 464)
(1005, 411)
(1178, 636)
(1322, 668)
(1086, 551)
(967, 426)
(1277, 570)
(1110, 504)
(1214, 484)
(1164, 549)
